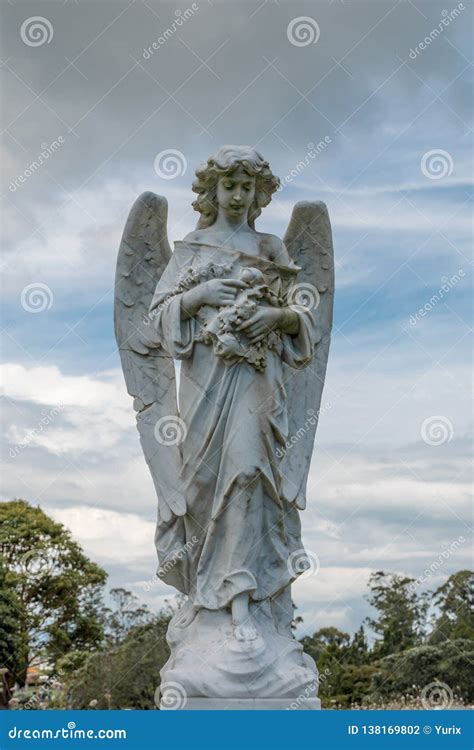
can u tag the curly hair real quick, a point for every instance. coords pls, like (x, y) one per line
(223, 163)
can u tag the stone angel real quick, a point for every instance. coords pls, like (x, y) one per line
(249, 318)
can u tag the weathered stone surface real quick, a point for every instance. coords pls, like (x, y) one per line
(250, 319)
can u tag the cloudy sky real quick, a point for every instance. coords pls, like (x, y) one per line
(103, 88)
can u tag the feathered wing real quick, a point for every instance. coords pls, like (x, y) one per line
(149, 372)
(309, 243)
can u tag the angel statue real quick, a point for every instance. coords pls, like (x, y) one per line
(249, 318)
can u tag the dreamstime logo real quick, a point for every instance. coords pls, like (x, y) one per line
(302, 31)
(36, 297)
(180, 19)
(314, 149)
(47, 150)
(437, 564)
(436, 164)
(310, 691)
(177, 556)
(448, 284)
(170, 164)
(437, 430)
(41, 698)
(31, 437)
(170, 430)
(170, 696)
(36, 561)
(149, 317)
(36, 31)
(310, 421)
(304, 297)
(447, 17)
(437, 695)
(303, 564)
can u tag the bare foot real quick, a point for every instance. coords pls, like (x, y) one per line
(186, 616)
(244, 628)
(245, 632)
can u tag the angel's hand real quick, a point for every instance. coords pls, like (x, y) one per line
(216, 292)
(264, 320)
(267, 319)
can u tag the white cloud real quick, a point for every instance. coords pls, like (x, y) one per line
(94, 411)
(108, 536)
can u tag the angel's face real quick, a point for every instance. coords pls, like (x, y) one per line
(235, 194)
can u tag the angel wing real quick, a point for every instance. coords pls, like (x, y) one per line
(309, 243)
(149, 372)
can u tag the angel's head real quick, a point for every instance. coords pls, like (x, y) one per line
(236, 180)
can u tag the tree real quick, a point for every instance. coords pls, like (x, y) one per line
(128, 613)
(125, 675)
(455, 600)
(329, 640)
(401, 613)
(56, 588)
(10, 641)
(407, 673)
(9, 625)
(358, 651)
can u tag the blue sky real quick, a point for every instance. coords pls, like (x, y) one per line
(396, 175)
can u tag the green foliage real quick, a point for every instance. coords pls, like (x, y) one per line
(455, 600)
(401, 613)
(342, 664)
(55, 587)
(126, 615)
(408, 672)
(51, 606)
(10, 638)
(125, 675)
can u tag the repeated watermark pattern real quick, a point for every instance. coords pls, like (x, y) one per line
(36, 297)
(304, 297)
(35, 562)
(170, 696)
(176, 556)
(447, 285)
(303, 31)
(437, 164)
(150, 317)
(447, 17)
(170, 430)
(47, 417)
(36, 31)
(437, 695)
(434, 567)
(303, 564)
(313, 151)
(437, 430)
(310, 421)
(310, 691)
(170, 164)
(47, 150)
(181, 18)
(39, 699)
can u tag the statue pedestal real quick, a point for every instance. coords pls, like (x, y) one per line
(250, 704)
(209, 670)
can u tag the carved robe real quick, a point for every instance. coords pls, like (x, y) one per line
(239, 529)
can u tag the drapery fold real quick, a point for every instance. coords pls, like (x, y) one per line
(235, 419)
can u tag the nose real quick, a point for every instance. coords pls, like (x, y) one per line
(237, 197)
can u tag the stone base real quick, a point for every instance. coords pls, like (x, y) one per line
(207, 662)
(250, 704)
